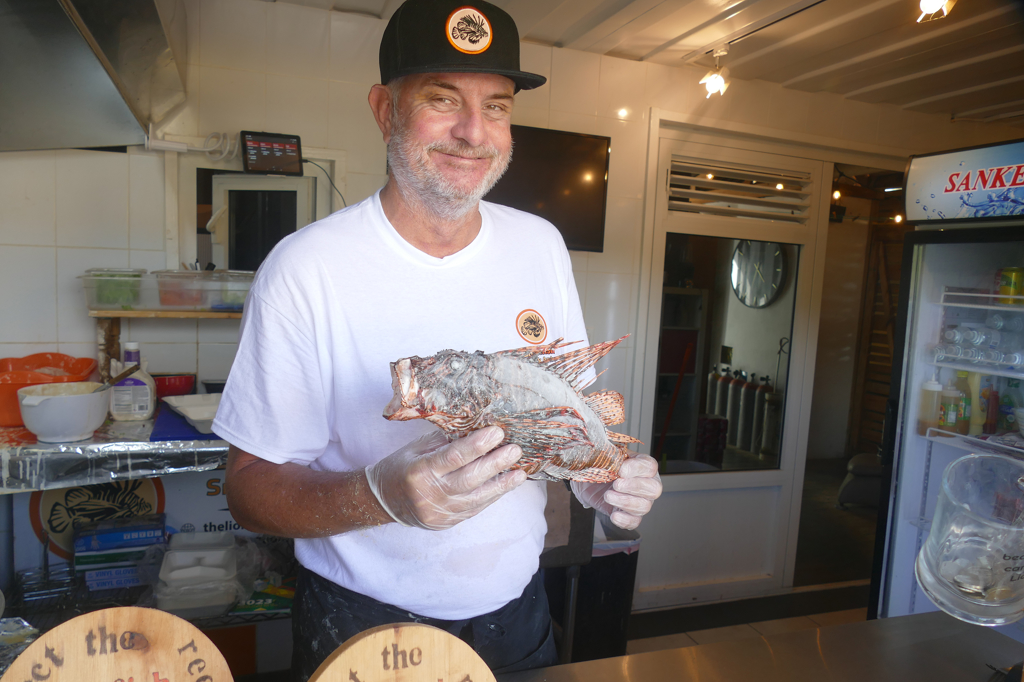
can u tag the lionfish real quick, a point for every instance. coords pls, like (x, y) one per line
(96, 503)
(534, 395)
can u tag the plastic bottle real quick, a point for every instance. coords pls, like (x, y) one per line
(928, 412)
(991, 410)
(949, 408)
(1005, 322)
(1010, 400)
(134, 398)
(963, 415)
(977, 417)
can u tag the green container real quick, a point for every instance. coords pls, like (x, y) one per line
(112, 288)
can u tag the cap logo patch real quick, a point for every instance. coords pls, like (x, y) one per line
(531, 326)
(469, 30)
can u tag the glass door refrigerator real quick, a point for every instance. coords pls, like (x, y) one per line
(959, 330)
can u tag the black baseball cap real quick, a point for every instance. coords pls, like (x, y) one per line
(450, 36)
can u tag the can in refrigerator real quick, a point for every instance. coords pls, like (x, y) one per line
(1011, 283)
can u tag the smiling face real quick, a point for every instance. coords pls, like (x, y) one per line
(449, 140)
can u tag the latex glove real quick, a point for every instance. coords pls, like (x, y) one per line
(626, 499)
(433, 484)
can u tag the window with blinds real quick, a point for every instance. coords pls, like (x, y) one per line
(701, 186)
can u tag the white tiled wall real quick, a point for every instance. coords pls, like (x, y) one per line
(296, 69)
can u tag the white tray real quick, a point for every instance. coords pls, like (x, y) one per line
(198, 410)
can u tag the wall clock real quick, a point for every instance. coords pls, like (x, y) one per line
(758, 272)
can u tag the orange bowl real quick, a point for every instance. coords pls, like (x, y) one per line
(31, 370)
(174, 384)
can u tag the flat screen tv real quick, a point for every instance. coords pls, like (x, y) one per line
(562, 177)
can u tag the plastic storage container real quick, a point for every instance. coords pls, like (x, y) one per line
(233, 287)
(112, 288)
(185, 289)
(224, 539)
(197, 583)
(31, 370)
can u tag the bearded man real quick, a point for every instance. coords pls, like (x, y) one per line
(392, 522)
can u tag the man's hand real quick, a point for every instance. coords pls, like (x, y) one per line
(626, 499)
(433, 484)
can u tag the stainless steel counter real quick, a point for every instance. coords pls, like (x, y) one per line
(930, 647)
(118, 451)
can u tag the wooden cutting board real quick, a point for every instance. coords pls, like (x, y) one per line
(128, 644)
(406, 652)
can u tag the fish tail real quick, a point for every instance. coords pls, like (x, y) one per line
(60, 518)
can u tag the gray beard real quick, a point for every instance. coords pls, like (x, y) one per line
(421, 184)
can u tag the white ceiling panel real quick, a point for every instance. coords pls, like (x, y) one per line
(967, 65)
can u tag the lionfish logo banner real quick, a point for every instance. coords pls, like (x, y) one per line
(55, 513)
(531, 326)
(469, 30)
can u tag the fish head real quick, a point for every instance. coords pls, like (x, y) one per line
(439, 385)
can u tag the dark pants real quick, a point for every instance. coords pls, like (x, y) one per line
(518, 636)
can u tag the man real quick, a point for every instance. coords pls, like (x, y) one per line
(435, 532)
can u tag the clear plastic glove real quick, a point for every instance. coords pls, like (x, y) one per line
(433, 484)
(626, 499)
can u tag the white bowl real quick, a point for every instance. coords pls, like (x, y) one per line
(62, 413)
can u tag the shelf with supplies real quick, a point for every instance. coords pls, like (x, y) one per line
(108, 323)
(977, 445)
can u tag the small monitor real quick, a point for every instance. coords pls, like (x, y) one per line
(271, 153)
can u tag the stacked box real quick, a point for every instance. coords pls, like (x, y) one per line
(108, 551)
(711, 435)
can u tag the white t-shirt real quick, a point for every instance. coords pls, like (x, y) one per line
(330, 308)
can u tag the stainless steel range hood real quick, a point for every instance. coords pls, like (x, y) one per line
(88, 73)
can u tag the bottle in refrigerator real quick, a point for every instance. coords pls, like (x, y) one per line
(1011, 283)
(1014, 360)
(991, 409)
(1005, 322)
(709, 402)
(949, 408)
(977, 418)
(928, 412)
(963, 416)
(1010, 400)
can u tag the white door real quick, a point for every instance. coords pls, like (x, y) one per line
(726, 525)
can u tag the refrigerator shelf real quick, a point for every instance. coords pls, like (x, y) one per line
(983, 367)
(958, 299)
(974, 445)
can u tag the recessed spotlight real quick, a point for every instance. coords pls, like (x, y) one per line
(898, 218)
(836, 194)
(779, 186)
(711, 176)
(623, 113)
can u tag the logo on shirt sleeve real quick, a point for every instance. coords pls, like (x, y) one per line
(531, 326)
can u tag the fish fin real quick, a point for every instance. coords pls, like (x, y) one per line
(530, 351)
(569, 366)
(59, 519)
(76, 496)
(544, 431)
(621, 438)
(594, 475)
(608, 405)
(603, 465)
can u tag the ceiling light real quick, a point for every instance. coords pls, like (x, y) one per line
(778, 186)
(711, 176)
(899, 218)
(935, 9)
(622, 113)
(836, 194)
(892, 189)
(716, 80)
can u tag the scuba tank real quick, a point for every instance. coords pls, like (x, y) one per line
(746, 425)
(709, 402)
(759, 402)
(733, 407)
(722, 396)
